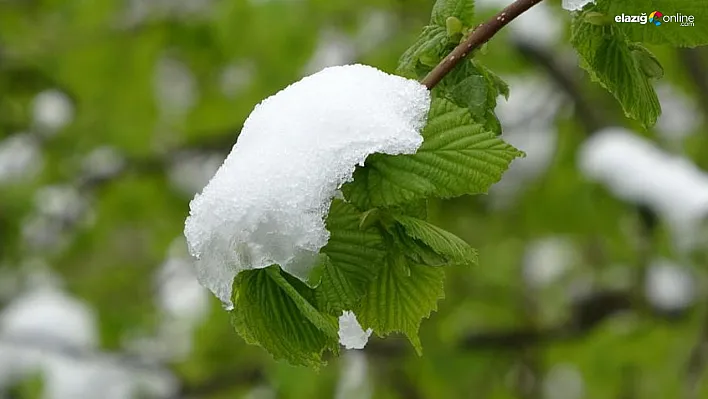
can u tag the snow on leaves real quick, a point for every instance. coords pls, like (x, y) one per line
(306, 273)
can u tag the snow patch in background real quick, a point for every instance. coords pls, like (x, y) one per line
(333, 48)
(190, 171)
(57, 208)
(267, 203)
(375, 27)
(46, 331)
(184, 305)
(547, 259)
(563, 381)
(575, 5)
(51, 111)
(60, 202)
(102, 162)
(528, 123)
(236, 77)
(261, 392)
(636, 170)
(140, 11)
(351, 334)
(175, 87)
(669, 286)
(20, 158)
(540, 25)
(680, 116)
(354, 382)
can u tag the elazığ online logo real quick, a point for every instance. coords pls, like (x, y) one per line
(657, 18)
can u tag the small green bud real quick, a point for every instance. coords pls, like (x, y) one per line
(429, 60)
(596, 18)
(453, 25)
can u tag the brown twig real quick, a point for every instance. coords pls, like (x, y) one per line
(478, 37)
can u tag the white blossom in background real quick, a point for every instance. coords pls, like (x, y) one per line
(564, 381)
(541, 25)
(351, 334)
(680, 116)
(547, 259)
(528, 123)
(51, 111)
(235, 78)
(20, 158)
(175, 87)
(267, 203)
(103, 162)
(334, 48)
(575, 5)
(636, 170)
(354, 381)
(190, 171)
(669, 286)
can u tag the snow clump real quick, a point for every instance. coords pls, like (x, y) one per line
(267, 203)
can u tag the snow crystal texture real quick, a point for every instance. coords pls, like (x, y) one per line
(351, 334)
(267, 203)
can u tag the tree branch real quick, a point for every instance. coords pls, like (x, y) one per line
(587, 114)
(478, 37)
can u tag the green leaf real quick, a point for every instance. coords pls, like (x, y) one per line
(473, 86)
(471, 92)
(276, 311)
(353, 254)
(442, 242)
(648, 63)
(429, 49)
(457, 157)
(401, 295)
(413, 249)
(448, 20)
(671, 33)
(460, 9)
(453, 26)
(608, 57)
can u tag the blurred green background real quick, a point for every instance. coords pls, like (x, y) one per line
(114, 113)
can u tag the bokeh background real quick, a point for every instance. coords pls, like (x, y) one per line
(114, 113)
